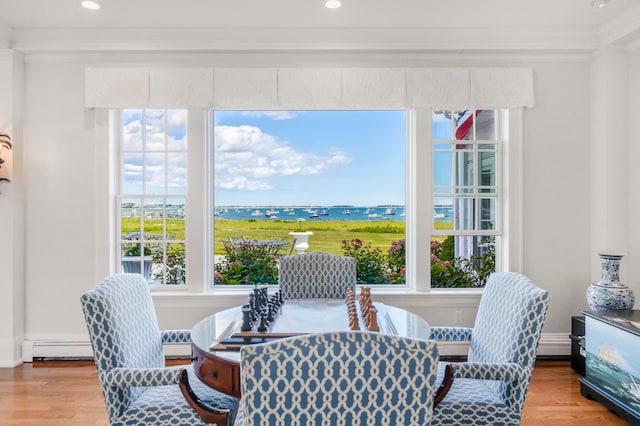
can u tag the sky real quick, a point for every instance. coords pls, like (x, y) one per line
(282, 158)
(299, 158)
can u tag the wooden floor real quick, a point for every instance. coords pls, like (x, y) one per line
(68, 393)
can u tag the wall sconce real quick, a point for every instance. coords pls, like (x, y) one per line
(5, 157)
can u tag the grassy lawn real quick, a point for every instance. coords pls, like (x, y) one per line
(327, 236)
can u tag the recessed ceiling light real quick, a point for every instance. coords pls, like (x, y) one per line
(598, 3)
(333, 4)
(91, 5)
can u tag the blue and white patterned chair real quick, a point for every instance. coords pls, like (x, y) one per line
(317, 276)
(127, 345)
(342, 378)
(490, 388)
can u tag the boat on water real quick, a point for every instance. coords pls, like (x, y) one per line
(313, 214)
(270, 213)
(389, 212)
(347, 212)
(437, 215)
(324, 213)
(256, 213)
(373, 215)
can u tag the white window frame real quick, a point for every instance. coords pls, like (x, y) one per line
(116, 142)
(509, 243)
(419, 203)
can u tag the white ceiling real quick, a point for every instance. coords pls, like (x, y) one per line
(573, 18)
(302, 13)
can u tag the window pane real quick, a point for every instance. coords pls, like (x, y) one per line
(176, 130)
(130, 211)
(338, 174)
(132, 169)
(177, 173)
(487, 213)
(441, 125)
(442, 164)
(155, 130)
(464, 214)
(461, 261)
(155, 173)
(487, 170)
(465, 167)
(486, 125)
(132, 130)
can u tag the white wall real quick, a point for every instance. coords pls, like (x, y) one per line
(631, 263)
(11, 215)
(61, 200)
(557, 255)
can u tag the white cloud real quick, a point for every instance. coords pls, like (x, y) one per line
(245, 157)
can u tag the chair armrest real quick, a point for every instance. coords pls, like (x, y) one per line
(508, 372)
(458, 334)
(176, 336)
(141, 377)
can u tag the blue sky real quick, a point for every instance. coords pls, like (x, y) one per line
(283, 158)
(310, 157)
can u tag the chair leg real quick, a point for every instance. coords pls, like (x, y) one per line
(443, 390)
(208, 415)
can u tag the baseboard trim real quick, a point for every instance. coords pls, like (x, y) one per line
(551, 345)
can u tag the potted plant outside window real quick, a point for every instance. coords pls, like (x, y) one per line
(137, 260)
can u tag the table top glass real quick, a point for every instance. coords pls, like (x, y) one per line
(305, 316)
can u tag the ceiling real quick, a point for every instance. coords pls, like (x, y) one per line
(25, 20)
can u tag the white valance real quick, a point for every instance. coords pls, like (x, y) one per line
(308, 88)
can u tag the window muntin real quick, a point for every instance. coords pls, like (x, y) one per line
(151, 194)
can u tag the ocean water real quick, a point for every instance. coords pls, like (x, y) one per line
(614, 380)
(319, 213)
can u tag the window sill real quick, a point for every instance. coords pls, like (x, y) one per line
(226, 298)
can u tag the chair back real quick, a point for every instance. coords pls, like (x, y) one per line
(507, 329)
(124, 332)
(340, 378)
(317, 276)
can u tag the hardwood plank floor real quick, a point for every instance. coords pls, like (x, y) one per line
(68, 393)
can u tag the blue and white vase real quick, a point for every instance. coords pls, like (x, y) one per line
(609, 293)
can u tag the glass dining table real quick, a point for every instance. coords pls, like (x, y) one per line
(216, 340)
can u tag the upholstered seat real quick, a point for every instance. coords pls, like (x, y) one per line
(490, 388)
(343, 378)
(317, 276)
(127, 345)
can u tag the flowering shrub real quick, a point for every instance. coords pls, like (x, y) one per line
(373, 267)
(245, 263)
(370, 262)
(449, 272)
(175, 264)
(396, 257)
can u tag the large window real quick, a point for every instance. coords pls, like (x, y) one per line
(151, 194)
(337, 174)
(466, 196)
(352, 180)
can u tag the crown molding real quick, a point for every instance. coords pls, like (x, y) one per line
(305, 39)
(625, 29)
